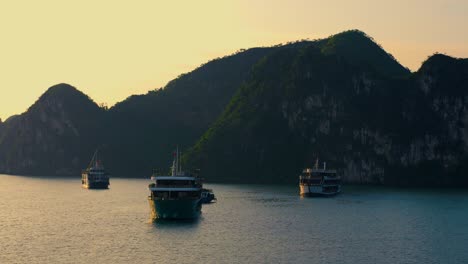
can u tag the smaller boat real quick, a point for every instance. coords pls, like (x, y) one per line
(207, 196)
(319, 181)
(95, 176)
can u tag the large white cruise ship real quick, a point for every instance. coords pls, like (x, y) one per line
(319, 181)
(176, 196)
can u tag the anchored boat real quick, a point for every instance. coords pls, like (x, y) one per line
(176, 196)
(207, 196)
(95, 176)
(319, 181)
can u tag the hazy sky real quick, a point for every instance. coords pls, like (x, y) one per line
(112, 49)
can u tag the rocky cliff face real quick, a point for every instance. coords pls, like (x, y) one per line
(373, 128)
(53, 136)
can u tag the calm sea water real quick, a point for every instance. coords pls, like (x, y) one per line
(56, 221)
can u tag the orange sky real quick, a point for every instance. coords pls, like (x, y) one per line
(112, 49)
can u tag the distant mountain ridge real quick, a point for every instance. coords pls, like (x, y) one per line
(142, 129)
(245, 111)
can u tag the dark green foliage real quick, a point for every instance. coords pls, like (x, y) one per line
(146, 129)
(381, 125)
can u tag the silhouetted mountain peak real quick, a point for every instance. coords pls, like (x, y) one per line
(444, 75)
(440, 61)
(60, 128)
(64, 96)
(61, 87)
(353, 34)
(61, 91)
(358, 48)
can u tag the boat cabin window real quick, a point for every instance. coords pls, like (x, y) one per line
(174, 183)
(175, 194)
(311, 181)
(161, 195)
(321, 174)
(333, 182)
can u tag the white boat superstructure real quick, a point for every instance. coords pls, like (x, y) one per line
(319, 181)
(95, 175)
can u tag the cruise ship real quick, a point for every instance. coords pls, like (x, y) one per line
(319, 181)
(95, 176)
(175, 196)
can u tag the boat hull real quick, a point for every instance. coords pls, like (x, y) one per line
(93, 181)
(207, 200)
(96, 185)
(318, 190)
(174, 209)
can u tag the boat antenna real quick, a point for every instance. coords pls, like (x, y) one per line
(177, 156)
(96, 162)
(180, 162)
(174, 163)
(92, 162)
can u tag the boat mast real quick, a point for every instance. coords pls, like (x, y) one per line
(93, 160)
(176, 163)
(180, 163)
(96, 159)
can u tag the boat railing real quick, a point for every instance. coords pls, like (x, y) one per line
(313, 177)
(154, 185)
(177, 186)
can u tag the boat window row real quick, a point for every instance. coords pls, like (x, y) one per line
(175, 194)
(311, 180)
(96, 171)
(319, 174)
(96, 177)
(162, 183)
(332, 182)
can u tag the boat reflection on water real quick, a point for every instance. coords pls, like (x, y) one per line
(189, 222)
